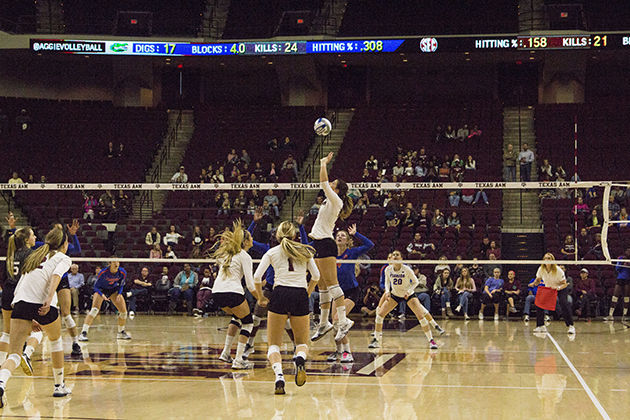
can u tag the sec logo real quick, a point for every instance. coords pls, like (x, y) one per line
(428, 45)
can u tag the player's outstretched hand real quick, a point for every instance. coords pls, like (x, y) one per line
(326, 160)
(74, 227)
(352, 230)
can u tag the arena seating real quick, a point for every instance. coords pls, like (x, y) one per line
(412, 17)
(17, 15)
(611, 15)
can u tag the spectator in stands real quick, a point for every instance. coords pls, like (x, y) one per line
(272, 175)
(287, 144)
(594, 221)
(453, 221)
(156, 252)
(371, 164)
(581, 207)
(232, 157)
(442, 288)
(457, 169)
(439, 134)
(440, 267)
(456, 272)
(463, 133)
(15, 179)
(89, 205)
(560, 174)
(170, 254)
(152, 237)
(111, 152)
(568, 247)
(444, 173)
(272, 144)
(525, 158)
(481, 195)
(408, 217)
(183, 287)
(596, 249)
(218, 176)
(180, 177)
(471, 164)
(492, 293)
(623, 215)
(225, 205)
(123, 203)
(476, 271)
(205, 292)
(468, 195)
(509, 164)
(465, 287)
(238, 207)
(272, 200)
(545, 171)
(197, 237)
(290, 165)
(449, 133)
(398, 169)
(370, 301)
(76, 282)
(584, 242)
(259, 172)
(172, 237)
(409, 170)
(438, 221)
(569, 289)
(585, 293)
(121, 150)
(245, 158)
(475, 134)
(420, 170)
(418, 248)
(393, 221)
(512, 289)
(484, 247)
(315, 207)
(141, 286)
(367, 176)
(23, 121)
(454, 198)
(489, 268)
(613, 208)
(493, 250)
(423, 221)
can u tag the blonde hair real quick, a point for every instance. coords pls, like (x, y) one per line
(464, 282)
(231, 243)
(295, 250)
(550, 268)
(55, 239)
(16, 241)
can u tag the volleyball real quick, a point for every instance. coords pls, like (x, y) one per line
(322, 127)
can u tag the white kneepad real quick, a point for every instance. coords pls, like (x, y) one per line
(424, 322)
(5, 338)
(69, 321)
(37, 335)
(379, 319)
(335, 292)
(273, 349)
(122, 315)
(93, 312)
(56, 345)
(324, 297)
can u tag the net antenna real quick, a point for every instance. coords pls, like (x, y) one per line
(608, 223)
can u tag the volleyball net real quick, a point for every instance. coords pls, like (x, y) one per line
(382, 236)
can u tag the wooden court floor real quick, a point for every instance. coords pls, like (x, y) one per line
(485, 370)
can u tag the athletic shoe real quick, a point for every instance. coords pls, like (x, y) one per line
(332, 357)
(343, 330)
(128, 294)
(480, 316)
(346, 357)
(197, 312)
(526, 318)
(25, 364)
(248, 351)
(300, 371)
(322, 330)
(83, 336)
(76, 350)
(279, 387)
(459, 308)
(609, 318)
(226, 358)
(375, 344)
(571, 329)
(449, 312)
(466, 317)
(123, 335)
(61, 391)
(547, 318)
(513, 309)
(433, 345)
(241, 364)
(541, 329)
(132, 315)
(496, 317)
(440, 330)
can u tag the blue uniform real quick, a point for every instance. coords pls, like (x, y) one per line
(107, 282)
(345, 272)
(623, 270)
(74, 248)
(381, 282)
(261, 248)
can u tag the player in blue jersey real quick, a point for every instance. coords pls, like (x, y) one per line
(346, 275)
(109, 286)
(260, 312)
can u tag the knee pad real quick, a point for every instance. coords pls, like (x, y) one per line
(17, 359)
(424, 322)
(379, 319)
(287, 325)
(335, 292)
(626, 299)
(5, 338)
(69, 321)
(324, 297)
(614, 299)
(235, 321)
(93, 312)
(122, 315)
(257, 320)
(56, 345)
(273, 349)
(37, 335)
(246, 329)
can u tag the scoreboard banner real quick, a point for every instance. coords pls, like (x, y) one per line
(421, 45)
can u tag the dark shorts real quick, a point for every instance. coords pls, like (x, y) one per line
(399, 299)
(28, 312)
(289, 301)
(109, 292)
(325, 248)
(261, 311)
(353, 294)
(63, 284)
(228, 299)
(623, 282)
(7, 296)
(496, 298)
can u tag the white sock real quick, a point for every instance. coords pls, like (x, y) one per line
(240, 348)
(121, 328)
(250, 340)
(325, 313)
(277, 369)
(58, 375)
(301, 354)
(29, 350)
(341, 314)
(5, 374)
(339, 347)
(3, 356)
(378, 335)
(229, 339)
(85, 329)
(433, 323)
(75, 339)
(448, 304)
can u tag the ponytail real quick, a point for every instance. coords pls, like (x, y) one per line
(55, 239)
(231, 243)
(16, 241)
(346, 210)
(295, 250)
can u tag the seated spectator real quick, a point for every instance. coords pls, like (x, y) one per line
(494, 250)
(481, 195)
(111, 151)
(475, 133)
(272, 175)
(420, 170)
(444, 173)
(170, 254)
(218, 177)
(290, 165)
(530, 298)
(439, 134)
(613, 208)
(545, 171)
(123, 203)
(438, 268)
(272, 144)
(442, 287)
(204, 177)
(370, 301)
(180, 177)
(141, 286)
(423, 221)
(245, 158)
(449, 133)
(456, 272)
(272, 200)
(398, 169)
(418, 248)
(183, 287)
(477, 272)
(408, 217)
(156, 252)
(489, 268)
(87, 291)
(623, 215)
(232, 158)
(465, 287)
(453, 198)
(584, 241)
(205, 293)
(367, 176)
(484, 247)
(468, 195)
(453, 220)
(409, 170)
(438, 219)
(371, 164)
(238, 207)
(287, 144)
(394, 221)
(512, 289)
(172, 237)
(581, 207)
(568, 247)
(315, 207)
(457, 169)
(596, 249)
(492, 293)
(76, 282)
(585, 293)
(470, 164)
(560, 174)
(462, 133)
(89, 205)
(594, 221)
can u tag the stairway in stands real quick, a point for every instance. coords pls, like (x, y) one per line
(522, 246)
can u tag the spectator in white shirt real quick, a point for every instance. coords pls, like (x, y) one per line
(172, 237)
(180, 177)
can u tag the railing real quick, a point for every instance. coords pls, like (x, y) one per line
(6, 198)
(146, 197)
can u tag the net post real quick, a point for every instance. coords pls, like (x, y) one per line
(605, 198)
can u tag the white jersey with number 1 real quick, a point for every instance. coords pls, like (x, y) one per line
(34, 286)
(400, 282)
(287, 272)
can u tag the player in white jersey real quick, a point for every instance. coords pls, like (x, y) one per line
(35, 298)
(228, 292)
(289, 299)
(400, 282)
(337, 204)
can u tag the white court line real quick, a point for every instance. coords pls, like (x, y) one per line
(581, 380)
